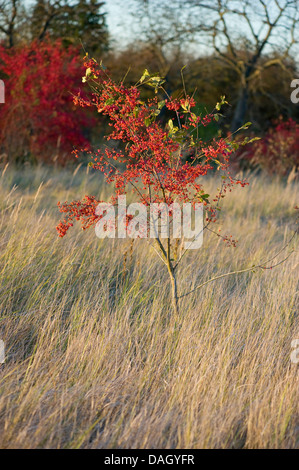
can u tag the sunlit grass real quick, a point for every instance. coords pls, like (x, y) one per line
(94, 357)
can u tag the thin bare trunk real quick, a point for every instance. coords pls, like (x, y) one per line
(174, 290)
(240, 111)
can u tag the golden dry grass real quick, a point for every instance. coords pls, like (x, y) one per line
(94, 357)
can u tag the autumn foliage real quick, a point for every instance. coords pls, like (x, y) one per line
(39, 121)
(152, 162)
(277, 152)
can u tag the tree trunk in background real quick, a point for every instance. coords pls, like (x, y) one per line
(240, 111)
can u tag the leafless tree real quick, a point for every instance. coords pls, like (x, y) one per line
(9, 10)
(243, 31)
(162, 27)
(247, 36)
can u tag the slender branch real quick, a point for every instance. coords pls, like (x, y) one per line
(251, 268)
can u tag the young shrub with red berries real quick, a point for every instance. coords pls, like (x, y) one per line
(152, 163)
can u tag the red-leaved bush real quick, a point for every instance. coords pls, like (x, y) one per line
(39, 120)
(277, 152)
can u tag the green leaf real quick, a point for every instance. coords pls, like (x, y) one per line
(179, 135)
(155, 82)
(109, 102)
(222, 102)
(253, 139)
(155, 79)
(145, 74)
(235, 145)
(204, 197)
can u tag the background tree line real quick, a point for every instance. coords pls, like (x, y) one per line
(241, 49)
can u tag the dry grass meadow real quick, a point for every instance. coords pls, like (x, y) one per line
(94, 356)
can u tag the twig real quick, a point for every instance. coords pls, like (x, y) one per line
(251, 268)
